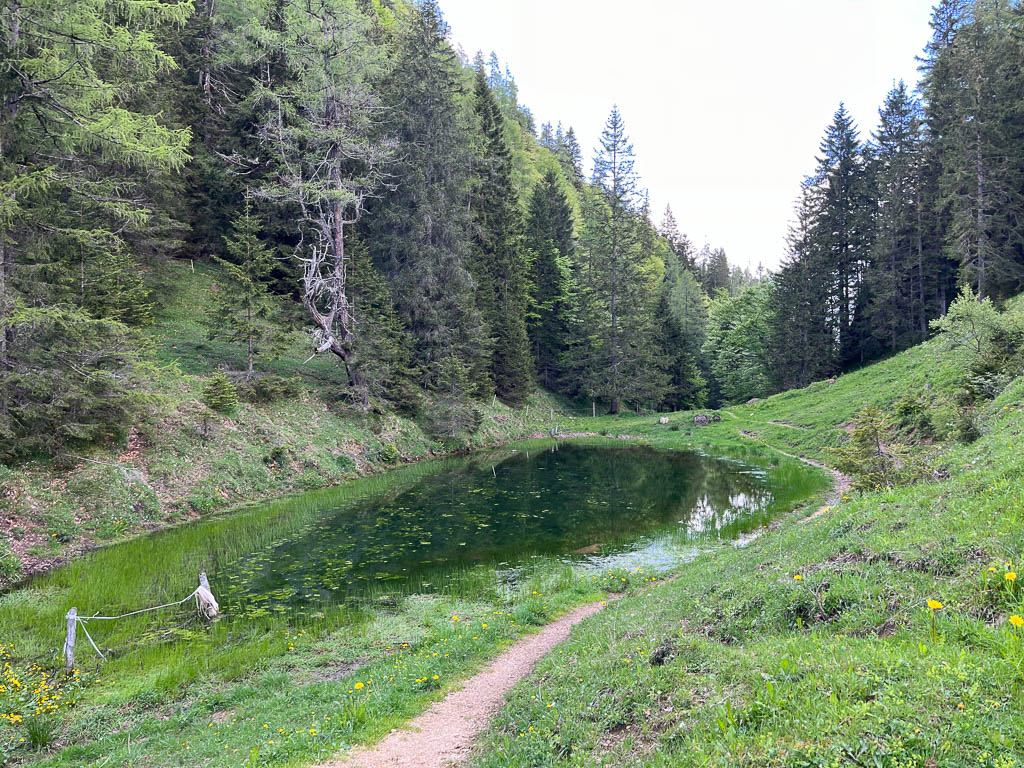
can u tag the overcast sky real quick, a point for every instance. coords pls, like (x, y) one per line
(725, 101)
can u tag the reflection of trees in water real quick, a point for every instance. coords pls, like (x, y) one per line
(551, 502)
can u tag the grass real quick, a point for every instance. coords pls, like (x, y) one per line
(814, 645)
(182, 461)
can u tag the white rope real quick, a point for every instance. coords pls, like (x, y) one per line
(80, 621)
(134, 613)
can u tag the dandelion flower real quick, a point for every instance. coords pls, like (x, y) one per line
(1011, 576)
(798, 577)
(935, 605)
(1017, 621)
(357, 686)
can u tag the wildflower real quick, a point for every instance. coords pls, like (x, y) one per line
(1011, 576)
(798, 577)
(935, 605)
(357, 686)
(1017, 621)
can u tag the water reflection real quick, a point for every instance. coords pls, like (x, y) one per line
(596, 506)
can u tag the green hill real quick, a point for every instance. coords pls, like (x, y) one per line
(815, 644)
(181, 460)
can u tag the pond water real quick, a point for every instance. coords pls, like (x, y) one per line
(473, 526)
(596, 506)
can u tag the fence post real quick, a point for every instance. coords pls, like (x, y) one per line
(206, 603)
(593, 408)
(69, 641)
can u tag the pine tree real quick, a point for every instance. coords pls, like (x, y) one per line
(571, 158)
(78, 147)
(243, 309)
(621, 363)
(896, 278)
(841, 228)
(500, 266)
(980, 181)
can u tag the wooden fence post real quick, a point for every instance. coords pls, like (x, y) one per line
(593, 408)
(69, 641)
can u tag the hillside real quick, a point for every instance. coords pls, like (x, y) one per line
(814, 645)
(181, 460)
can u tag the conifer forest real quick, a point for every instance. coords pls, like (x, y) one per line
(361, 182)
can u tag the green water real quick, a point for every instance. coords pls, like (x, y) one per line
(596, 506)
(474, 527)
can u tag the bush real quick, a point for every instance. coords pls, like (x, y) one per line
(913, 413)
(270, 389)
(967, 427)
(867, 457)
(220, 394)
(387, 453)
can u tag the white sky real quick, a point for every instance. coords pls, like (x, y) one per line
(725, 102)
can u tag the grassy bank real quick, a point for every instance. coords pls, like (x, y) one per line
(181, 460)
(816, 644)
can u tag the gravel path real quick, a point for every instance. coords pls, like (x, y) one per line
(444, 734)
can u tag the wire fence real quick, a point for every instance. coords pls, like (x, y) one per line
(206, 607)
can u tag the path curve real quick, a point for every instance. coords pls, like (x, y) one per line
(843, 483)
(444, 734)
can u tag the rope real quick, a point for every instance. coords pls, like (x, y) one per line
(134, 613)
(82, 623)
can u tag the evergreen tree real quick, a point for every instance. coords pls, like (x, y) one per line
(571, 158)
(243, 309)
(419, 231)
(980, 181)
(551, 247)
(622, 364)
(841, 229)
(500, 267)
(896, 278)
(77, 145)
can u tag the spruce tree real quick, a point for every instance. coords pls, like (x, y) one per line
(897, 274)
(551, 248)
(621, 363)
(419, 230)
(500, 265)
(243, 309)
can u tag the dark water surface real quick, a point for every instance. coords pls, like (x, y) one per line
(594, 505)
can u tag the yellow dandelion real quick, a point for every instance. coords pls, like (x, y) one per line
(935, 605)
(1017, 621)
(798, 577)
(1011, 576)
(357, 686)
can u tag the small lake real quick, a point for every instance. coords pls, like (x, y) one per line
(608, 505)
(469, 526)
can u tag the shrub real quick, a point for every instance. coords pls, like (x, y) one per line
(866, 456)
(270, 389)
(913, 413)
(388, 453)
(220, 394)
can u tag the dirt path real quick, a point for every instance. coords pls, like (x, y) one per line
(842, 483)
(444, 734)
